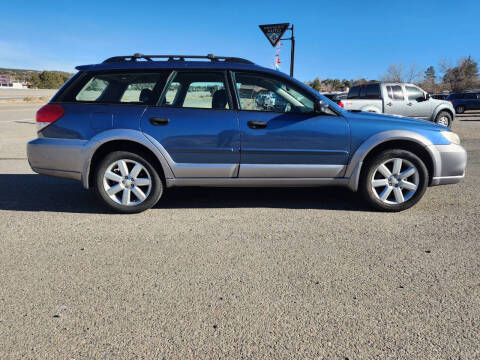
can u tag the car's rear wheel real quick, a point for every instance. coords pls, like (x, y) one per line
(127, 182)
(460, 109)
(394, 180)
(444, 118)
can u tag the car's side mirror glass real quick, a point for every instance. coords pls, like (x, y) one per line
(322, 107)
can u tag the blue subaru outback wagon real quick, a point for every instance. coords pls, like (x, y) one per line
(133, 126)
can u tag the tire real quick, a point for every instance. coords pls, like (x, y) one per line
(121, 174)
(444, 118)
(460, 109)
(374, 192)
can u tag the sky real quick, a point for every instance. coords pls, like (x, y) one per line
(334, 38)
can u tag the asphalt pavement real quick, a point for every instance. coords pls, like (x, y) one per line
(235, 273)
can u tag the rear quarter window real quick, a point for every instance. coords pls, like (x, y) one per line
(118, 88)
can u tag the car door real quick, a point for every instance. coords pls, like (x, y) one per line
(417, 105)
(477, 101)
(196, 126)
(285, 137)
(471, 101)
(394, 100)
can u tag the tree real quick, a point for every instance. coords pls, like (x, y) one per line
(48, 80)
(430, 74)
(429, 83)
(394, 73)
(463, 76)
(397, 73)
(316, 84)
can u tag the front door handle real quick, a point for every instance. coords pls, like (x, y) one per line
(257, 124)
(158, 121)
(409, 104)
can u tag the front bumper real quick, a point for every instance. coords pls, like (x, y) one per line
(450, 163)
(57, 157)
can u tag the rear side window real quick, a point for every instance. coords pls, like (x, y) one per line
(395, 92)
(200, 90)
(470, 96)
(118, 88)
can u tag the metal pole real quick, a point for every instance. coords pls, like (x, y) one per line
(292, 53)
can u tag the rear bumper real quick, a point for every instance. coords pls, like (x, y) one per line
(57, 157)
(450, 164)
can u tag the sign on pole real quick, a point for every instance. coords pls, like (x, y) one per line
(4, 79)
(274, 32)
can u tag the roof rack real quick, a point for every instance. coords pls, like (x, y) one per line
(211, 57)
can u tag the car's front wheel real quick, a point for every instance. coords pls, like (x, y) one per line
(444, 118)
(127, 182)
(394, 180)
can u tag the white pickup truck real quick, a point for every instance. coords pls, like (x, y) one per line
(399, 99)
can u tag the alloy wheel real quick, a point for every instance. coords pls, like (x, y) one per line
(127, 182)
(443, 120)
(395, 181)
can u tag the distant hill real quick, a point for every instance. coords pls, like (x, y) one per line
(38, 79)
(21, 74)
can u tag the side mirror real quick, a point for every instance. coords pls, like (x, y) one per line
(427, 96)
(321, 106)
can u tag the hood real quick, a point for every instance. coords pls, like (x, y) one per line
(440, 102)
(393, 120)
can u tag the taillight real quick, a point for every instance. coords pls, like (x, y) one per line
(340, 104)
(48, 114)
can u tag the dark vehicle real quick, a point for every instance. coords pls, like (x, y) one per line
(467, 100)
(336, 97)
(134, 126)
(439, 96)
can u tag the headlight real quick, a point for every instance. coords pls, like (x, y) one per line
(450, 136)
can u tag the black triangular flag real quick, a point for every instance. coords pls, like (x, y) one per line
(274, 32)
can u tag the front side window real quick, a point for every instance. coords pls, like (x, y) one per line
(264, 93)
(201, 90)
(395, 92)
(136, 88)
(414, 93)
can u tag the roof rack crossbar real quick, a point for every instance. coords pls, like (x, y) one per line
(211, 57)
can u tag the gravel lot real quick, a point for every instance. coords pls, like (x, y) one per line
(235, 273)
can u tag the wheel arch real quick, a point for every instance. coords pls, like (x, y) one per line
(371, 108)
(396, 139)
(114, 142)
(441, 108)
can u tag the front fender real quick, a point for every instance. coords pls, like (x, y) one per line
(355, 165)
(441, 107)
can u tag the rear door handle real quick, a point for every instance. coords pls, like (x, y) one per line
(158, 121)
(257, 124)
(389, 104)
